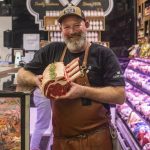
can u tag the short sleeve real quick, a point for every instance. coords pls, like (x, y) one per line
(46, 55)
(112, 74)
(39, 62)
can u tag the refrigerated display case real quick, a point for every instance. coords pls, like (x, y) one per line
(133, 117)
(14, 114)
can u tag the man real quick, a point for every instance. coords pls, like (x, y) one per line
(81, 117)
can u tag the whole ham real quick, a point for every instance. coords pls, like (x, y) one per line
(56, 78)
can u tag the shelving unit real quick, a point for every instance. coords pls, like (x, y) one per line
(96, 20)
(143, 17)
(133, 117)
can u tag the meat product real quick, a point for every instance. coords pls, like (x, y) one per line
(56, 78)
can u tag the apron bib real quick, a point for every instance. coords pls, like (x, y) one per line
(80, 124)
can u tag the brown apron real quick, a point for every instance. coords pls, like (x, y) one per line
(80, 124)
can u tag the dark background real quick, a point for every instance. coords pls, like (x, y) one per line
(120, 24)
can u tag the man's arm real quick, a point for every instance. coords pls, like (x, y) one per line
(109, 94)
(26, 78)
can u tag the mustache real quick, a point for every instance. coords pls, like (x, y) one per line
(75, 35)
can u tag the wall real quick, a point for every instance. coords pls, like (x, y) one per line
(5, 24)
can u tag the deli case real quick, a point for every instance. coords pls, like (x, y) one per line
(133, 117)
(14, 113)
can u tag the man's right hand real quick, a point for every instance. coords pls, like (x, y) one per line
(38, 81)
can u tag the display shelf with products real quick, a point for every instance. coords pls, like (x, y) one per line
(133, 128)
(139, 102)
(143, 19)
(143, 60)
(138, 79)
(96, 20)
(129, 142)
(135, 113)
(147, 8)
(140, 67)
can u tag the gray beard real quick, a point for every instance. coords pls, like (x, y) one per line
(75, 45)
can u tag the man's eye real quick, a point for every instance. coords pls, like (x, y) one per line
(67, 27)
(77, 25)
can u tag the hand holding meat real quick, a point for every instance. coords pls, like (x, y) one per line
(76, 91)
(57, 78)
(38, 81)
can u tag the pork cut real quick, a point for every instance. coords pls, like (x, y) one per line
(57, 78)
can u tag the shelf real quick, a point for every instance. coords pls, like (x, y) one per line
(143, 60)
(128, 135)
(135, 67)
(138, 86)
(140, 37)
(138, 71)
(141, 2)
(142, 116)
(141, 28)
(147, 18)
(141, 7)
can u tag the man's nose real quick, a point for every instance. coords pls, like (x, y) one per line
(72, 30)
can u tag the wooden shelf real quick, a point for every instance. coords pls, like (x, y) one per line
(143, 19)
(146, 18)
(141, 2)
(97, 24)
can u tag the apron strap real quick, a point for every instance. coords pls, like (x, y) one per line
(63, 54)
(84, 63)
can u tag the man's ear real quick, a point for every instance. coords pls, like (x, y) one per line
(87, 24)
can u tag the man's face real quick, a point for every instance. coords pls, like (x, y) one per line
(74, 33)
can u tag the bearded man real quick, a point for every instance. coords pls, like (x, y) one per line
(81, 117)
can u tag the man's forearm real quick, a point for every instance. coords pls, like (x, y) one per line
(111, 95)
(26, 78)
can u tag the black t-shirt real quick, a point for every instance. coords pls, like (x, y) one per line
(102, 64)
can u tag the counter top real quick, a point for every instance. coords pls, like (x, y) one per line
(6, 69)
(8, 78)
(8, 83)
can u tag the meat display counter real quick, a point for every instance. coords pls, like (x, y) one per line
(133, 117)
(14, 112)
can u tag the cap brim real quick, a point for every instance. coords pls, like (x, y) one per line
(71, 14)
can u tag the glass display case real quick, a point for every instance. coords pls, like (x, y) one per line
(133, 117)
(14, 115)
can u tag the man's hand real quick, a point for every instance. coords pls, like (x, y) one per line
(76, 91)
(38, 81)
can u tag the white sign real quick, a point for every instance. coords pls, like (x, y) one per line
(31, 41)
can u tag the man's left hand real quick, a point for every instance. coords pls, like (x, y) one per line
(76, 91)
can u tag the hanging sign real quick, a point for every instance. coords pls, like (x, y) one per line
(38, 8)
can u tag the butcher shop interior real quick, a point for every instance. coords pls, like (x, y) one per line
(35, 83)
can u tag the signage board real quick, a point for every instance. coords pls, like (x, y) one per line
(38, 8)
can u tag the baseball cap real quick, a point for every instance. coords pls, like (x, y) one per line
(71, 10)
